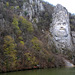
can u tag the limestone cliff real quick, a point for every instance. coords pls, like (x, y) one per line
(24, 35)
(60, 29)
(32, 8)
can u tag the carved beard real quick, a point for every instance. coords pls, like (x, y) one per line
(61, 33)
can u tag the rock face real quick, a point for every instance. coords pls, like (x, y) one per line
(67, 63)
(31, 8)
(73, 36)
(60, 28)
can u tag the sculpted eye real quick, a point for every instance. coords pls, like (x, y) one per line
(64, 23)
(59, 23)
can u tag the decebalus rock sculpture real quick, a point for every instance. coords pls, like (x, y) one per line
(60, 29)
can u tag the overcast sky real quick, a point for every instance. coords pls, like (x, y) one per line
(69, 4)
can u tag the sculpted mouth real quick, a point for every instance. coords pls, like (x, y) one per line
(61, 33)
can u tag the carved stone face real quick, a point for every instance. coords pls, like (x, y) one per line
(60, 29)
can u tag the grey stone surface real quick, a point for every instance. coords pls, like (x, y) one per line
(60, 28)
(73, 37)
(32, 8)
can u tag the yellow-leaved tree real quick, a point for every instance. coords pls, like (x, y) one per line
(26, 24)
(15, 26)
(9, 51)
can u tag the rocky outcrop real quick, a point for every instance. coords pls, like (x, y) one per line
(60, 29)
(73, 36)
(67, 63)
(32, 8)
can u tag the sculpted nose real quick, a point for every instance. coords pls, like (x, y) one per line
(61, 28)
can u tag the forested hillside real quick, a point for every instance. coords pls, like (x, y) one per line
(24, 43)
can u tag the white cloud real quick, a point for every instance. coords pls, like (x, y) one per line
(69, 4)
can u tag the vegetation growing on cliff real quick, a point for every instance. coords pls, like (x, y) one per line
(22, 46)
